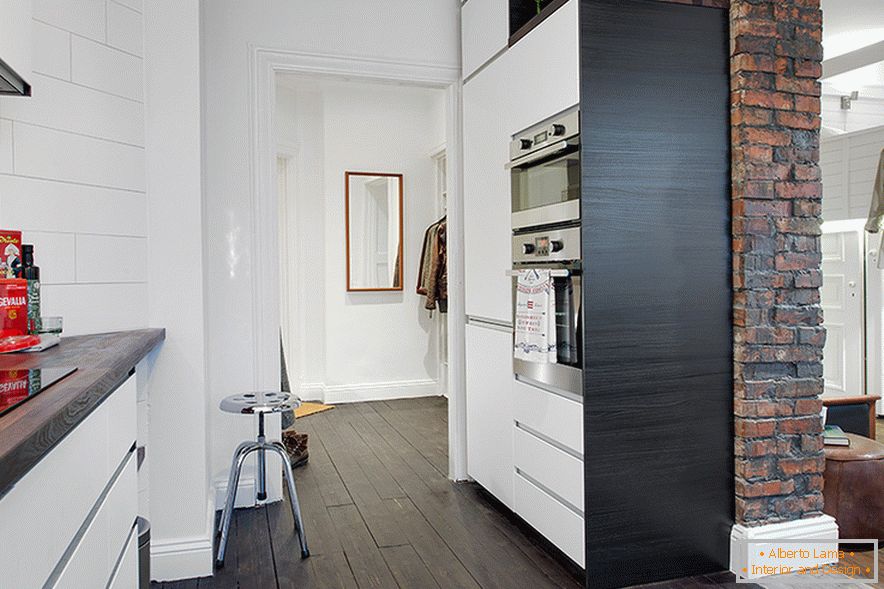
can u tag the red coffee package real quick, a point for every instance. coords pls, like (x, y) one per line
(14, 387)
(13, 307)
(10, 253)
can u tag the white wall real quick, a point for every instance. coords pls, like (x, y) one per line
(182, 500)
(376, 345)
(72, 163)
(422, 32)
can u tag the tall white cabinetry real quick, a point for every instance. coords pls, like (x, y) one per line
(512, 450)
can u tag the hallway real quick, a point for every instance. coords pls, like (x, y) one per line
(380, 512)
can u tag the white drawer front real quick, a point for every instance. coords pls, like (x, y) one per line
(560, 525)
(93, 560)
(122, 407)
(556, 470)
(549, 414)
(126, 575)
(44, 510)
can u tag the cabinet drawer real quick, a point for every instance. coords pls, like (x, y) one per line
(92, 562)
(558, 524)
(550, 415)
(126, 575)
(556, 470)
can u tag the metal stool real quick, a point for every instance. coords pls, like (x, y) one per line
(259, 403)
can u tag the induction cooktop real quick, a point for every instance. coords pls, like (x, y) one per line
(18, 386)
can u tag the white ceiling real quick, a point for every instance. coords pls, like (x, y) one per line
(851, 24)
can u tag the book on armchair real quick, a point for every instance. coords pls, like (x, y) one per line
(835, 436)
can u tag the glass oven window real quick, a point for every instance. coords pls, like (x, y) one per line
(546, 183)
(566, 323)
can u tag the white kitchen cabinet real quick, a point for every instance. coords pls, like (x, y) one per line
(15, 35)
(489, 409)
(66, 521)
(487, 229)
(484, 32)
(544, 68)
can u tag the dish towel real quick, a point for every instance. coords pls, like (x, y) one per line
(876, 213)
(535, 331)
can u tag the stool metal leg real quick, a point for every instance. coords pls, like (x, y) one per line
(293, 496)
(236, 469)
(230, 481)
(262, 460)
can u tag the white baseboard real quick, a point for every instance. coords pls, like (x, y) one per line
(311, 391)
(744, 556)
(381, 391)
(180, 558)
(246, 491)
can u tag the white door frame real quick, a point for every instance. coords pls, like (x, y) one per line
(264, 64)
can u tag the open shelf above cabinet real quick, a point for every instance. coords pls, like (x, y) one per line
(527, 14)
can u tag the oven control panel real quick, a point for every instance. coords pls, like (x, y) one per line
(558, 244)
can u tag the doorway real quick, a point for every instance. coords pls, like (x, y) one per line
(352, 328)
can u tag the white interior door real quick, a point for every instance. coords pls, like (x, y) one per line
(874, 319)
(843, 307)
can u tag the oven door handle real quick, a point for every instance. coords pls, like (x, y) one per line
(538, 155)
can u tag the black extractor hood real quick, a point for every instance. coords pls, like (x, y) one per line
(11, 82)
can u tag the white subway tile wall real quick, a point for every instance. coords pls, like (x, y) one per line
(72, 163)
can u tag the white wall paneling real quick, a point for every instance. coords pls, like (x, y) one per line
(124, 28)
(72, 168)
(849, 163)
(6, 153)
(105, 68)
(53, 57)
(84, 17)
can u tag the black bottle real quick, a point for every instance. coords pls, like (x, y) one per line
(31, 273)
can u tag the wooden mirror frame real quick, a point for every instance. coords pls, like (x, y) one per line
(399, 254)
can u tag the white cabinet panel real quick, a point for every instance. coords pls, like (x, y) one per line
(559, 524)
(484, 32)
(92, 562)
(487, 230)
(53, 500)
(549, 414)
(556, 470)
(126, 575)
(545, 70)
(489, 410)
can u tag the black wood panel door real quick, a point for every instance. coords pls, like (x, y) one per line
(657, 248)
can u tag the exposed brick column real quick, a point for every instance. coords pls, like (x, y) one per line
(778, 337)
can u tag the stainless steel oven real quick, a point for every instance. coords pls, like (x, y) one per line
(545, 173)
(559, 251)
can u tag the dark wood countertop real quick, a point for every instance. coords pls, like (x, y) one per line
(103, 361)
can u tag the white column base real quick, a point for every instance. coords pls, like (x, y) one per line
(746, 557)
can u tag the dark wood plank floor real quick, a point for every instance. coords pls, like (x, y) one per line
(381, 513)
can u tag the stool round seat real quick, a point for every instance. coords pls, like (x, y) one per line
(260, 402)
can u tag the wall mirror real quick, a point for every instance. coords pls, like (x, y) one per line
(373, 205)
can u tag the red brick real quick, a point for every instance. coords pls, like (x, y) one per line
(809, 279)
(807, 104)
(754, 27)
(807, 208)
(757, 117)
(798, 120)
(764, 489)
(795, 466)
(768, 99)
(762, 208)
(809, 190)
(799, 226)
(800, 425)
(748, 428)
(753, 469)
(796, 261)
(808, 406)
(806, 171)
(808, 69)
(752, 63)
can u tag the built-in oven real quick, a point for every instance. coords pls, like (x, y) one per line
(557, 250)
(545, 173)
